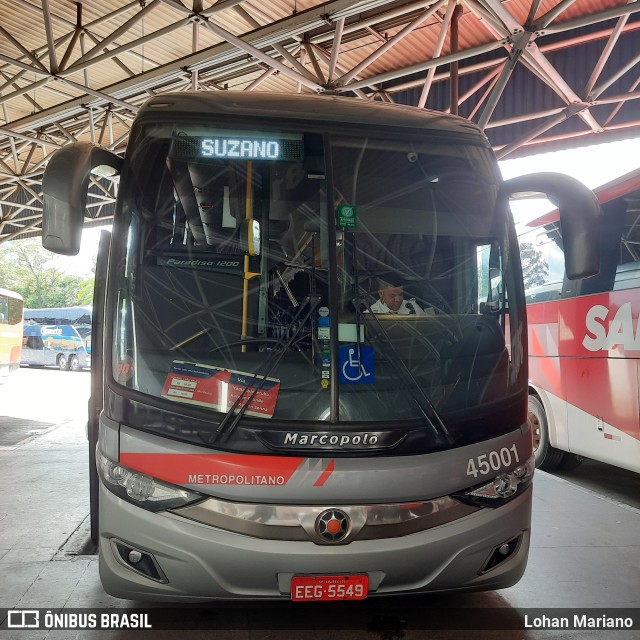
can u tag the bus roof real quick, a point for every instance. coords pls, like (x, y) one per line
(605, 193)
(10, 294)
(59, 315)
(264, 106)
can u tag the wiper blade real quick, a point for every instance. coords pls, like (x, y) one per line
(422, 400)
(234, 415)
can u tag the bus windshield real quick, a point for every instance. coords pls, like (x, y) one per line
(341, 218)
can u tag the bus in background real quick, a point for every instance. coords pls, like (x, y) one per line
(59, 337)
(256, 429)
(584, 339)
(58, 345)
(80, 317)
(11, 306)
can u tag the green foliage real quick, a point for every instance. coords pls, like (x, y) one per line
(32, 271)
(534, 266)
(85, 292)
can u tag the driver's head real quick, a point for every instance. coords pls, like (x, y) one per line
(391, 295)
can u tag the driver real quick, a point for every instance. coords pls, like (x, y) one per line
(391, 300)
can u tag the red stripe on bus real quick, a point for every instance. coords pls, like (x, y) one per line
(325, 475)
(227, 469)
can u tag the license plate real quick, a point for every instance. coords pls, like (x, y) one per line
(323, 588)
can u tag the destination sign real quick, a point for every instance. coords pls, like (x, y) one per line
(239, 147)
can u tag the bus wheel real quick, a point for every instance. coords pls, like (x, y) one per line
(63, 362)
(547, 457)
(74, 363)
(570, 461)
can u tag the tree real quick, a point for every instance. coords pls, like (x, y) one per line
(30, 270)
(534, 266)
(85, 293)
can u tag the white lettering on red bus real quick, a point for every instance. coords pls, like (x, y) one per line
(622, 331)
(207, 478)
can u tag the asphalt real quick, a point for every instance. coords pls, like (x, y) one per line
(585, 551)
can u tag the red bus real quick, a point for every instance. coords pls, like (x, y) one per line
(584, 342)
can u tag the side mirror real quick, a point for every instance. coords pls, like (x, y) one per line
(64, 187)
(580, 218)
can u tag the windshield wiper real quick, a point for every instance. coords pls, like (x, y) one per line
(234, 415)
(422, 400)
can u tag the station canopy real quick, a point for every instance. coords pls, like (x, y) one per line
(533, 74)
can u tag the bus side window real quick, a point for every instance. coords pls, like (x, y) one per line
(33, 342)
(627, 276)
(628, 271)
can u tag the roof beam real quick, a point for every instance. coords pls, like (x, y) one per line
(53, 61)
(120, 31)
(424, 66)
(297, 24)
(587, 20)
(426, 87)
(380, 51)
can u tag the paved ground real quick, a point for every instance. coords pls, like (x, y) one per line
(585, 547)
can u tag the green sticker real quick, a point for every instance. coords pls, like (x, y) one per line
(346, 216)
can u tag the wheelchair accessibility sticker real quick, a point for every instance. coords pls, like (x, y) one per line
(354, 370)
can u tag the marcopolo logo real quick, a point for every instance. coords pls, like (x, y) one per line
(342, 440)
(331, 440)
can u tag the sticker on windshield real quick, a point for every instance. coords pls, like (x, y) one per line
(356, 365)
(217, 388)
(123, 369)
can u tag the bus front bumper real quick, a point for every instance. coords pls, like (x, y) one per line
(194, 562)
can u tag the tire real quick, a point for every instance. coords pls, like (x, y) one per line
(547, 457)
(63, 362)
(570, 461)
(74, 363)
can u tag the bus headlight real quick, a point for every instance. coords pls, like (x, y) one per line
(500, 489)
(141, 489)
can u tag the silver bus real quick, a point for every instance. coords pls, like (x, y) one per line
(57, 336)
(259, 428)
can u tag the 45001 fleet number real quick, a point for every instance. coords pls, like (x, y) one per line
(493, 461)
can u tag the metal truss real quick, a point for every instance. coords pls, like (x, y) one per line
(81, 71)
